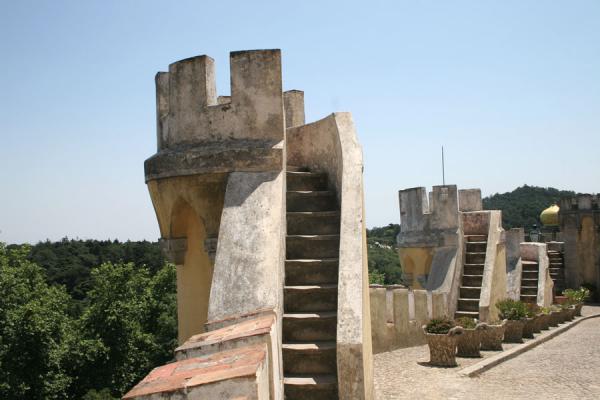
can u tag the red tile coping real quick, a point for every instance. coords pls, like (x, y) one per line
(246, 328)
(197, 371)
(234, 318)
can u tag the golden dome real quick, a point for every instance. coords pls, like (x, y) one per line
(549, 216)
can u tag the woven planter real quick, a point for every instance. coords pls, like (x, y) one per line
(572, 310)
(537, 323)
(469, 343)
(491, 336)
(442, 347)
(513, 332)
(578, 309)
(564, 313)
(544, 321)
(528, 328)
(554, 318)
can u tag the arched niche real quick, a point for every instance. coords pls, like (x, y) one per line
(194, 275)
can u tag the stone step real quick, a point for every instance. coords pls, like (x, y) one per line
(309, 358)
(306, 299)
(475, 258)
(468, 305)
(295, 168)
(527, 298)
(312, 246)
(476, 247)
(556, 265)
(531, 290)
(308, 272)
(529, 275)
(529, 282)
(476, 238)
(313, 222)
(472, 280)
(300, 181)
(530, 266)
(473, 269)
(310, 387)
(322, 200)
(467, 292)
(307, 327)
(470, 314)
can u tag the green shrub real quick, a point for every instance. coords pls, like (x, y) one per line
(577, 296)
(466, 322)
(511, 309)
(439, 326)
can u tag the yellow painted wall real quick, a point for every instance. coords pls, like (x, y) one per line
(415, 261)
(190, 207)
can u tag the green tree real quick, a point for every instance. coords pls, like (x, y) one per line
(132, 315)
(35, 331)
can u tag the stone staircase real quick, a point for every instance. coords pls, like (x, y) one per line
(310, 293)
(472, 277)
(557, 271)
(529, 281)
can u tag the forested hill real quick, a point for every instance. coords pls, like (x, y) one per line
(522, 206)
(68, 262)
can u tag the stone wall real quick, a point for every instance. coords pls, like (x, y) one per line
(538, 252)
(579, 218)
(493, 287)
(331, 146)
(398, 314)
(514, 266)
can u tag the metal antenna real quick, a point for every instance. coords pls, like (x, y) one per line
(443, 169)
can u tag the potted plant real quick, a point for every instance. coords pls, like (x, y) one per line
(515, 312)
(531, 322)
(577, 297)
(555, 316)
(442, 336)
(491, 335)
(470, 340)
(544, 317)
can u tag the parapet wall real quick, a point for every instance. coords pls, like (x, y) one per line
(580, 202)
(538, 252)
(420, 216)
(514, 265)
(579, 218)
(199, 132)
(469, 200)
(189, 111)
(398, 314)
(331, 145)
(493, 287)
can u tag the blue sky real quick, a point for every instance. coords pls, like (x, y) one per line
(510, 88)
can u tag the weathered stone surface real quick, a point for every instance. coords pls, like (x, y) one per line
(248, 272)
(513, 332)
(239, 372)
(331, 146)
(469, 343)
(442, 348)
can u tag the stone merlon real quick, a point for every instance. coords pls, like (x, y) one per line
(200, 132)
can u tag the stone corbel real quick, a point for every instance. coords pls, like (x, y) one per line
(174, 249)
(210, 246)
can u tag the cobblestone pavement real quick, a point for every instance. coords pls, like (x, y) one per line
(565, 367)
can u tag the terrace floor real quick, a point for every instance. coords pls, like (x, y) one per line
(565, 367)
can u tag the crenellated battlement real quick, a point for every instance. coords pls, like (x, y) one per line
(580, 202)
(190, 112)
(469, 200)
(417, 214)
(199, 132)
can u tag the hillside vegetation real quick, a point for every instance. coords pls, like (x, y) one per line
(521, 208)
